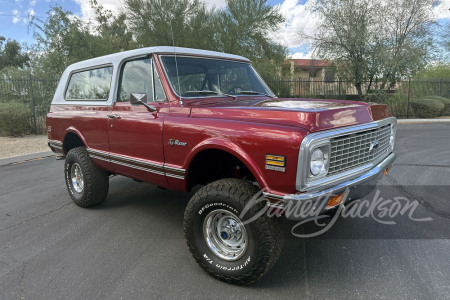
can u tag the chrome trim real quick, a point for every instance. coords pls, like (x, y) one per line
(155, 168)
(174, 169)
(137, 167)
(55, 145)
(373, 173)
(319, 138)
(55, 142)
(175, 176)
(99, 158)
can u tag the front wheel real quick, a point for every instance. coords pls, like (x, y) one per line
(87, 184)
(220, 240)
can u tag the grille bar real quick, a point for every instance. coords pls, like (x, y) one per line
(353, 150)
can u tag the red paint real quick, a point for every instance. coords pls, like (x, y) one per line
(248, 128)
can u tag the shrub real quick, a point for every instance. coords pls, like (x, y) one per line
(14, 118)
(445, 101)
(427, 108)
(397, 103)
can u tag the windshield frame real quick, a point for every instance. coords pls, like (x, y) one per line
(263, 83)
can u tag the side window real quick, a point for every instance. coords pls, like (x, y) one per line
(90, 84)
(159, 92)
(136, 77)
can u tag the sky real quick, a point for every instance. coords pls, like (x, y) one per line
(15, 16)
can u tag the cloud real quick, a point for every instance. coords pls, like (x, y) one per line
(87, 13)
(217, 4)
(16, 16)
(115, 6)
(298, 19)
(300, 55)
(442, 10)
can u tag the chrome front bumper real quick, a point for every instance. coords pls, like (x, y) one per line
(357, 188)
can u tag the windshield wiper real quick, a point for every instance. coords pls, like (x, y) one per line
(256, 93)
(209, 92)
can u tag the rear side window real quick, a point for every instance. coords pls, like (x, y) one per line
(91, 84)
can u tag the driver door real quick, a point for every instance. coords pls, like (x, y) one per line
(135, 132)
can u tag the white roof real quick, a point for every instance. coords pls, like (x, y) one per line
(118, 57)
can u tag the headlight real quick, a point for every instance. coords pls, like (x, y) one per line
(319, 162)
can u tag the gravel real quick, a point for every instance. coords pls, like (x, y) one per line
(14, 146)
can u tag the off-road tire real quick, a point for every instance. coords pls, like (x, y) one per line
(96, 181)
(265, 234)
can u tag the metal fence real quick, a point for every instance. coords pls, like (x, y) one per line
(401, 98)
(37, 93)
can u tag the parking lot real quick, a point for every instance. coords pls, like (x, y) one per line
(133, 247)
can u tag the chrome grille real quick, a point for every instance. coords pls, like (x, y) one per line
(353, 150)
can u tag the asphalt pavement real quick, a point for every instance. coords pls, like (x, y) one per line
(132, 246)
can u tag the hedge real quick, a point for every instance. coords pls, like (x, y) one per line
(427, 108)
(14, 119)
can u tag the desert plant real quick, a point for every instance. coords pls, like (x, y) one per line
(14, 118)
(427, 108)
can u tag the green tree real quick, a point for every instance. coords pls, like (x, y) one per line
(441, 71)
(62, 39)
(11, 54)
(155, 22)
(244, 28)
(112, 30)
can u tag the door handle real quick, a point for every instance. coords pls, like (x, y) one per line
(113, 116)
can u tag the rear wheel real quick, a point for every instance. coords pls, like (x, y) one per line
(220, 240)
(87, 184)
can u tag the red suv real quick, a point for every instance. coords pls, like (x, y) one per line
(183, 118)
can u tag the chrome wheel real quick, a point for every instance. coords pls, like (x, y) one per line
(76, 176)
(225, 234)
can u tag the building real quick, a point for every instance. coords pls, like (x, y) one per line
(309, 68)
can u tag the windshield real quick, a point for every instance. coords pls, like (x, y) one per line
(202, 77)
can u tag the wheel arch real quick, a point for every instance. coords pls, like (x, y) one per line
(223, 151)
(72, 139)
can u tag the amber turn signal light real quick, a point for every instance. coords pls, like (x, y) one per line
(385, 171)
(335, 200)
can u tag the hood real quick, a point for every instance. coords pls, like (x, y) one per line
(310, 114)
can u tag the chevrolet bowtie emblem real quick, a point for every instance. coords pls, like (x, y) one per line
(374, 145)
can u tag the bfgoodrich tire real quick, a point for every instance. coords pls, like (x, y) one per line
(218, 239)
(87, 184)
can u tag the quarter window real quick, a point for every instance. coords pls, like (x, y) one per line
(159, 92)
(93, 84)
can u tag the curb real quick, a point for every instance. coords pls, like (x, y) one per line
(20, 158)
(417, 121)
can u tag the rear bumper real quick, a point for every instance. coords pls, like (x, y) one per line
(317, 201)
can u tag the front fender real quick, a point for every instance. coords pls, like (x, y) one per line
(231, 148)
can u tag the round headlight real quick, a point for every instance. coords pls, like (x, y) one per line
(318, 162)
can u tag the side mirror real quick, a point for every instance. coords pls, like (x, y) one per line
(138, 98)
(141, 98)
